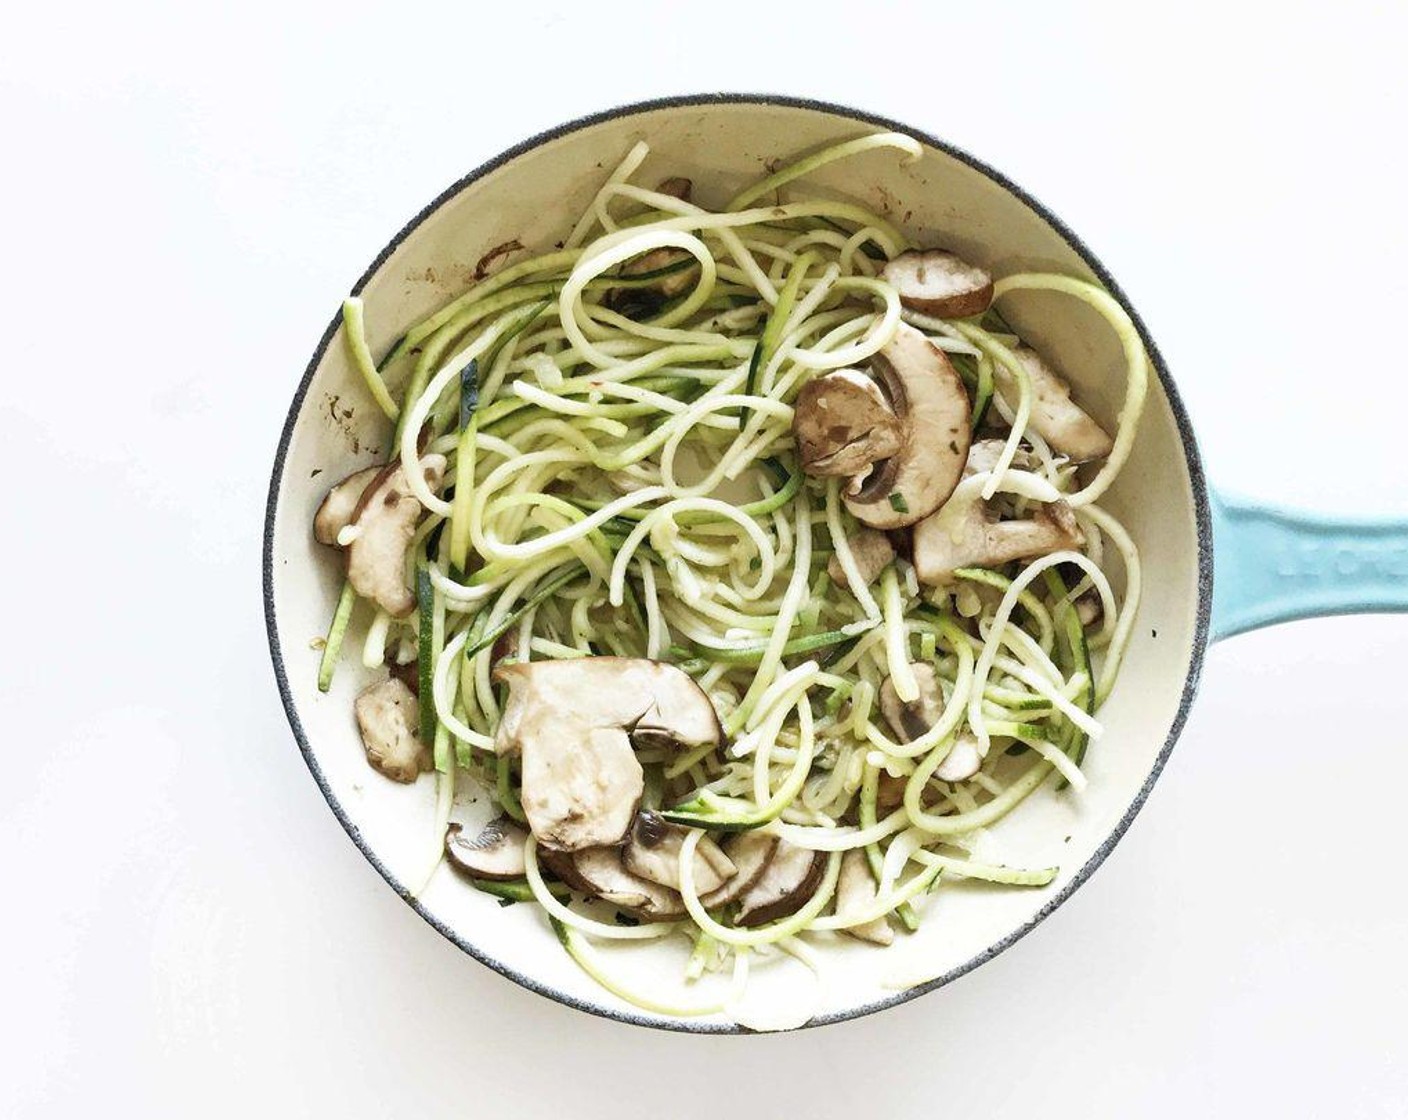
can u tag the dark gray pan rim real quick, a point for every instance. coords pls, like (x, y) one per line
(1190, 448)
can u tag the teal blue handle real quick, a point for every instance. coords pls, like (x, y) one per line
(1273, 565)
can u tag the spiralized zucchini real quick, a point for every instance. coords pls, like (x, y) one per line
(622, 479)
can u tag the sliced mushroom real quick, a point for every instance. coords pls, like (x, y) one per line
(601, 873)
(912, 720)
(336, 509)
(653, 852)
(965, 534)
(385, 520)
(677, 186)
(496, 853)
(962, 762)
(624, 482)
(872, 551)
(750, 852)
(672, 284)
(985, 454)
(641, 300)
(939, 283)
(1090, 608)
(564, 866)
(1066, 426)
(889, 791)
(408, 672)
(388, 716)
(855, 894)
(584, 790)
(843, 424)
(789, 879)
(934, 411)
(575, 723)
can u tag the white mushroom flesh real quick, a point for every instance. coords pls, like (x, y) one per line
(1062, 423)
(910, 721)
(855, 894)
(791, 877)
(583, 792)
(964, 533)
(939, 283)
(985, 454)
(385, 520)
(966, 536)
(962, 762)
(653, 852)
(337, 508)
(388, 715)
(574, 721)
(872, 551)
(1090, 609)
(935, 415)
(843, 423)
(495, 853)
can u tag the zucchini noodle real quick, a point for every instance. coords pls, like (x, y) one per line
(621, 478)
(356, 333)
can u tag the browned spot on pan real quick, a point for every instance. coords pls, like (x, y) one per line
(481, 269)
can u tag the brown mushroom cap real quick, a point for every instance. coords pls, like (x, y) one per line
(602, 873)
(843, 423)
(340, 503)
(939, 283)
(575, 723)
(791, 877)
(496, 853)
(385, 518)
(934, 410)
(750, 852)
(889, 793)
(388, 716)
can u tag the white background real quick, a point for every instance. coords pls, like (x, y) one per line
(187, 194)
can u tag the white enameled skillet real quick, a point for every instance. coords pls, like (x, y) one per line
(1267, 565)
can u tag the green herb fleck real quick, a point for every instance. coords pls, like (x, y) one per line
(898, 504)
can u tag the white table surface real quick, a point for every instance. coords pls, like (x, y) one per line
(187, 194)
